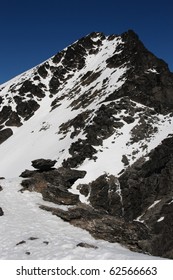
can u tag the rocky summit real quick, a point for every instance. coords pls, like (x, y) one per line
(91, 128)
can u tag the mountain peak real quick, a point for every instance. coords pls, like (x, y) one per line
(101, 106)
(130, 33)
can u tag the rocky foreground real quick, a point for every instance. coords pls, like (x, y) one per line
(137, 219)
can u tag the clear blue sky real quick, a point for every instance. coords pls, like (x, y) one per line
(32, 31)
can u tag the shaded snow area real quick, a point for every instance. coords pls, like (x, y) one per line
(28, 233)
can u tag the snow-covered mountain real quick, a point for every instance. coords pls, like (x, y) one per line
(102, 110)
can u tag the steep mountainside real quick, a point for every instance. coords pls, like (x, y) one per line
(101, 109)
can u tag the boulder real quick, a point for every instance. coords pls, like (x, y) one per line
(43, 164)
(86, 245)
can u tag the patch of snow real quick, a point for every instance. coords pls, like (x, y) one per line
(171, 201)
(138, 219)
(153, 205)
(152, 70)
(161, 219)
(119, 193)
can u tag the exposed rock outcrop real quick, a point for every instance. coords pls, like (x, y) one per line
(103, 226)
(53, 184)
(149, 80)
(104, 195)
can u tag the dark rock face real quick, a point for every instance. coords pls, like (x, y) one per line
(26, 109)
(147, 192)
(150, 87)
(28, 86)
(104, 195)
(148, 181)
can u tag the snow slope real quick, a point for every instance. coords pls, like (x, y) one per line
(41, 137)
(42, 130)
